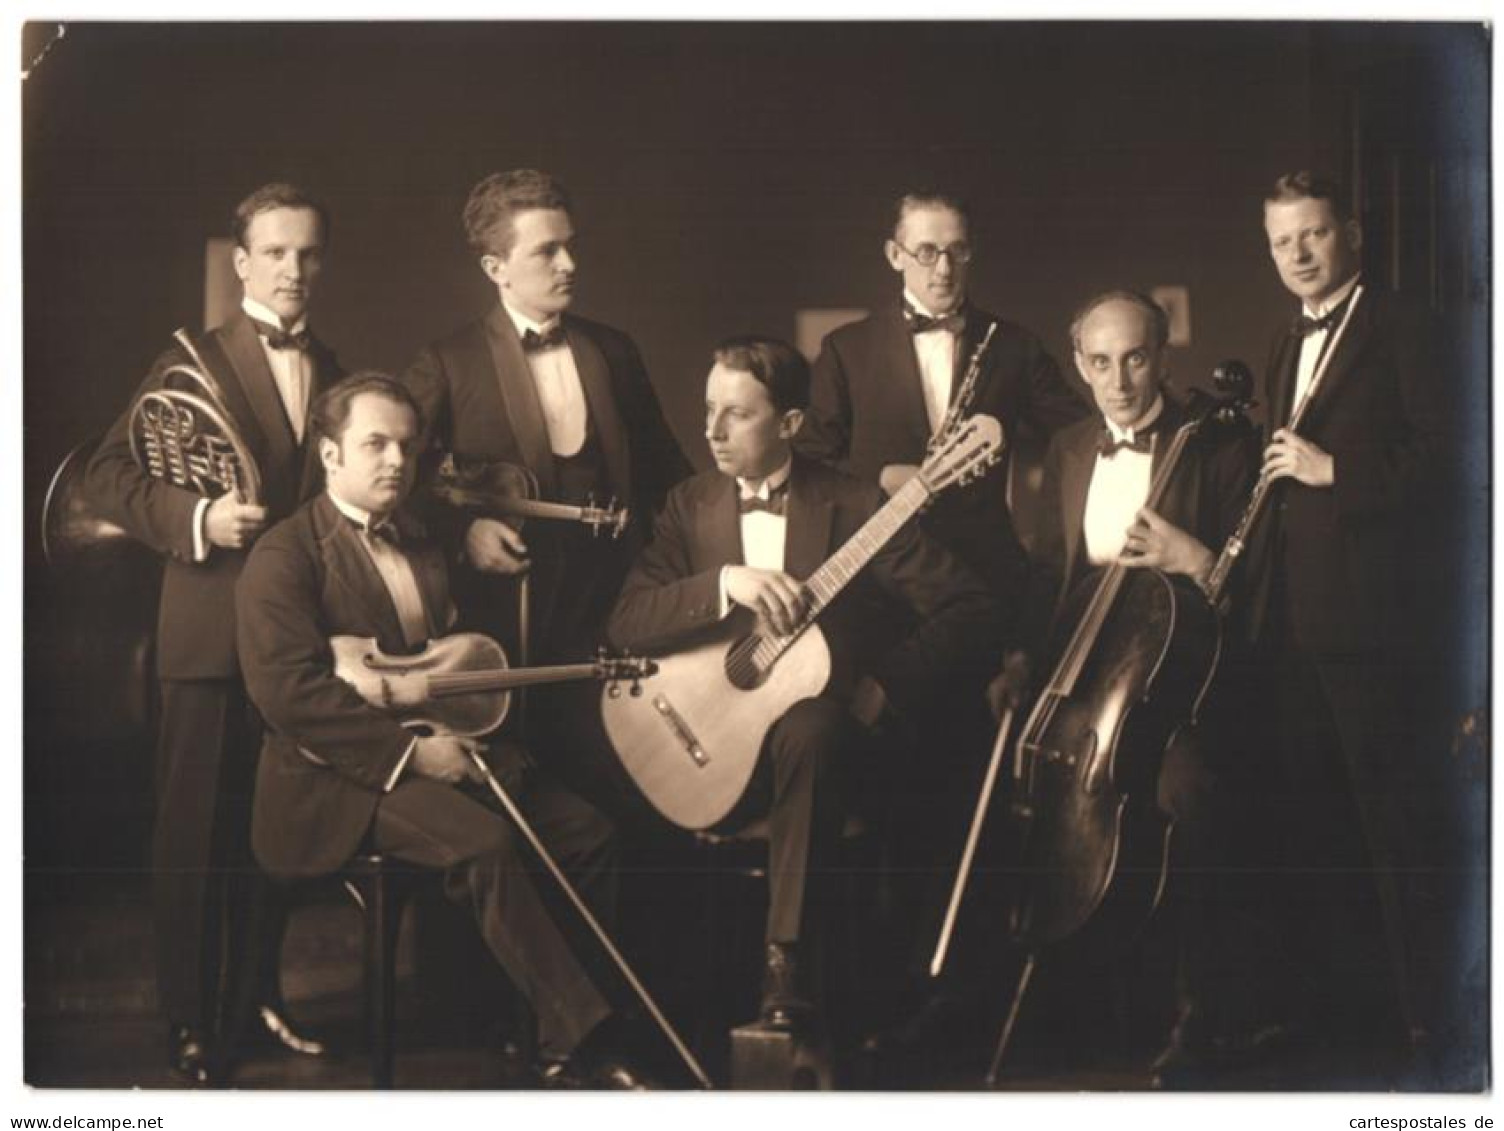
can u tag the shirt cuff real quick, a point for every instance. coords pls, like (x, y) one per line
(200, 536)
(725, 605)
(391, 781)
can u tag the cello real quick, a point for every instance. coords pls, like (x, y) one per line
(1131, 675)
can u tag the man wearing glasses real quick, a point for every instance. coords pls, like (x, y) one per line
(881, 388)
(883, 385)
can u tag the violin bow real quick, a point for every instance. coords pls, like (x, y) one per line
(979, 818)
(646, 998)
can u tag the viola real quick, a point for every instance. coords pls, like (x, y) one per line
(461, 684)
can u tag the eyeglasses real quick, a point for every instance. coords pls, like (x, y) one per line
(927, 254)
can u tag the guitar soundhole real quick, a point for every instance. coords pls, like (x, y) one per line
(742, 668)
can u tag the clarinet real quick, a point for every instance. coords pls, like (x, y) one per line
(1216, 581)
(960, 408)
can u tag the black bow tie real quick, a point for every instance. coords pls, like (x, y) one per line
(532, 341)
(382, 531)
(1304, 327)
(920, 323)
(775, 503)
(278, 339)
(1109, 445)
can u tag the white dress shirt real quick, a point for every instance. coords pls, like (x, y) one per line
(402, 585)
(557, 381)
(291, 369)
(763, 533)
(1313, 346)
(935, 350)
(1119, 488)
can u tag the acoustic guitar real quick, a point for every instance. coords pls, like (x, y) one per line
(692, 741)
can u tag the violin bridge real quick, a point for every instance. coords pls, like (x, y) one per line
(681, 731)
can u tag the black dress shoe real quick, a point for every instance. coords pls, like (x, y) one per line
(602, 1072)
(271, 1028)
(1195, 1056)
(191, 1057)
(785, 1005)
(939, 1026)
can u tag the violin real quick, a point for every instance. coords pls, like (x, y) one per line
(461, 684)
(509, 491)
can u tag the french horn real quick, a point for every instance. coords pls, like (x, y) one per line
(182, 433)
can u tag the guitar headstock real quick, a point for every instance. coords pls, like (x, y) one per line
(623, 669)
(965, 454)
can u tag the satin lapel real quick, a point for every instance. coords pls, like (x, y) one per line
(1360, 328)
(898, 369)
(717, 527)
(348, 564)
(1172, 416)
(971, 337)
(519, 398)
(1080, 461)
(807, 534)
(326, 372)
(595, 379)
(254, 377)
(1281, 382)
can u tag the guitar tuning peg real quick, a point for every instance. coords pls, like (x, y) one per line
(613, 690)
(636, 690)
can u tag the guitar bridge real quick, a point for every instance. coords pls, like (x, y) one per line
(686, 737)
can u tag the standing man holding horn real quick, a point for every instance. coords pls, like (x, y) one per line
(209, 898)
(1357, 421)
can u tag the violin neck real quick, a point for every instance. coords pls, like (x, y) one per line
(535, 508)
(503, 679)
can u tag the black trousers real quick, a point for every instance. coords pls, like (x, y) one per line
(798, 786)
(218, 920)
(488, 868)
(1340, 831)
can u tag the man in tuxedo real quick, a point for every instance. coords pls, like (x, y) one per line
(881, 388)
(1097, 477)
(337, 773)
(1334, 616)
(740, 540)
(208, 896)
(568, 399)
(882, 385)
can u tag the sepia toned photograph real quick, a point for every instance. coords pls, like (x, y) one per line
(936, 557)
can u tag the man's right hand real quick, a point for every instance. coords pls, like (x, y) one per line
(231, 524)
(1010, 687)
(494, 547)
(776, 598)
(446, 758)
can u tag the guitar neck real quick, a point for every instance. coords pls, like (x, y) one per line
(503, 679)
(827, 582)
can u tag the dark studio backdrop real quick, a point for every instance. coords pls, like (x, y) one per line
(725, 176)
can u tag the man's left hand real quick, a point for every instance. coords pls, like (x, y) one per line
(1290, 456)
(1153, 543)
(869, 703)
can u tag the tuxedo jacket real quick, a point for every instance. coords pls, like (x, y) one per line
(480, 403)
(1339, 553)
(195, 621)
(671, 598)
(1205, 497)
(326, 754)
(867, 410)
